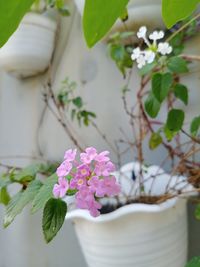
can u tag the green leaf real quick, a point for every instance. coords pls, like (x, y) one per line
(121, 57)
(78, 102)
(169, 134)
(195, 126)
(176, 10)
(177, 42)
(99, 16)
(71, 192)
(195, 262)
(124, 15)
(152, 105)
(147, 68)
(175, 119)
(161, 84)
(4, 180)
(11, 13)
(155, 140)
(197, 212)
(20, 200)
(53, 218)
(27, 174)
(4, 196)
(117, 52)
(177, 65)
(181, 92)
(44, 194)
(48, 168)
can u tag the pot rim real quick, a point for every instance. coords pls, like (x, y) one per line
(124, 210)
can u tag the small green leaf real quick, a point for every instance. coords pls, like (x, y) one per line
(177, 42)
(99, 16)
(174, 11)
(195, 126)
(152, 106)
(64, 11)
(27, 174)
(147, 68)
(124, 15)
(48, 168)
(4, 180)
(175, 119)
(177, 65)
(71, 192)
(78, 102)
(53, 218)
(169, 134)
(20, 200)
(155, 140)
(197, 212)
(4, 196)
(195, 262)
(181, 92)
(161, 84)
(117, 52)
(44, 194)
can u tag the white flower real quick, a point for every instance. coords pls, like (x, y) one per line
(142, 32)
(164, 48)
(156, 35)
(141, 61)
(136, 53)
(149, 56)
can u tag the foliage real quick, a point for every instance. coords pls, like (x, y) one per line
(120, 53)
(44, 194)
(195, 262)
(176, 10)
(53, 218)
(60, 5)
(11, 13)
(99, 17)
(20, 200)
(69, 101)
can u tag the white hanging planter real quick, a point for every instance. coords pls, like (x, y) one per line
(29, 50)
(141, 12)
(138, 235)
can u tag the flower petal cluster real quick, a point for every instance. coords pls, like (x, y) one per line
(92, 178)
(143, 57)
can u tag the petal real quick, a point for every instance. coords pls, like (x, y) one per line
(56, 190)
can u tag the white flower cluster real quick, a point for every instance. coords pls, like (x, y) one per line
(147, 56)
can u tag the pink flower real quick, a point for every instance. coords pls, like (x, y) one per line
(90, 155)
(70, 155)
(61, 188)
(77, 182)
(91, 178)
(83, 170)
(110, 186)
(104, 168)
(102, 157)
(85, 200)
(64, 169)
(96, 186)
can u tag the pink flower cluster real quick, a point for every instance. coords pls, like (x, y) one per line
(91, 178)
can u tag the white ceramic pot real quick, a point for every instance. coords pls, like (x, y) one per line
(141, 12)
(135, 235)
(29, 50)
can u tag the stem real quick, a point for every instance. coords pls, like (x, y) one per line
(183, 27)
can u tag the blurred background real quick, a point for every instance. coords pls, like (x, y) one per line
(23, 133)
